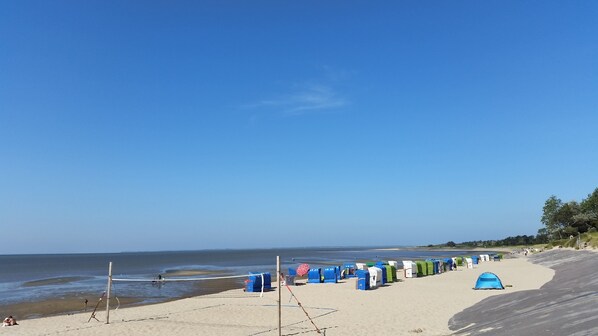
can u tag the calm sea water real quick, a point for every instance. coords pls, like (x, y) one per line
(31, 278)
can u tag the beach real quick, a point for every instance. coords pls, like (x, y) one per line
(418, 306)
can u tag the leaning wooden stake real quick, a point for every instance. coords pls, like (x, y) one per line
(93, 313)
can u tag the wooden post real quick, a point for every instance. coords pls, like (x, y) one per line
(108, 293)
(279, 296)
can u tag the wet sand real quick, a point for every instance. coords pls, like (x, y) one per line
(53, 281)
(66, 305)
(189, 273)
(73, 304)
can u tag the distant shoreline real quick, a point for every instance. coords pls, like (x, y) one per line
(449, 249)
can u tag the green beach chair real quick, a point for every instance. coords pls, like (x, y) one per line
(393, 273)
(422, 268)
(430, 266)
(389, 273)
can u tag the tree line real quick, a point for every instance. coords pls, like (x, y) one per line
(509, 241)
(562, 220)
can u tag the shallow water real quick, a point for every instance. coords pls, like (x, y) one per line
(34, 278)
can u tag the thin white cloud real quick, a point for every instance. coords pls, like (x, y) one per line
(315, 97)
(304, 99)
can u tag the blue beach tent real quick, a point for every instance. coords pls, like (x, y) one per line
(488, 280)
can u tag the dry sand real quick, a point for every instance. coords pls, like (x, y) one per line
(421, 306)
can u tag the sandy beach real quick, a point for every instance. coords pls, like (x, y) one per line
(421, 306)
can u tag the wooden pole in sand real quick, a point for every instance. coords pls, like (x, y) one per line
(279, 296)
(108, 293)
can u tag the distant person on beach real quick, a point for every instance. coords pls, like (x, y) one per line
(158, 280)
(9, 321)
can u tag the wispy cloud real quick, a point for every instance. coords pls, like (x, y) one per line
(304, 99)
(311, 97)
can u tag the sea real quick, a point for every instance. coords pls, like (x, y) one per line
(41, 277)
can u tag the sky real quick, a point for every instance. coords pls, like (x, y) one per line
(188, 125)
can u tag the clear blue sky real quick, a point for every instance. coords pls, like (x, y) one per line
(167, 125)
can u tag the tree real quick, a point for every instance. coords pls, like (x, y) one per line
(451, 244)
(542, 236)
(565, 218)
(583, 221)
(550, 210)
(589, 208)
